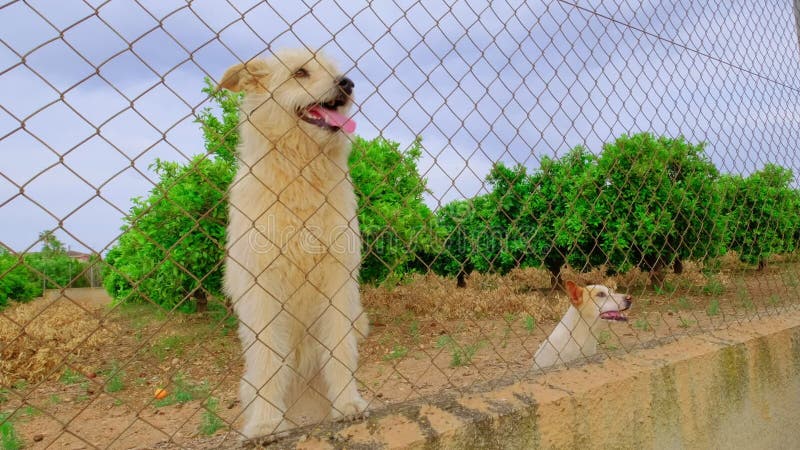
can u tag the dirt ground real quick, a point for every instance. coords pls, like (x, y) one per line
(79, 373)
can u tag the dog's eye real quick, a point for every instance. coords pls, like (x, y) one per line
(601, 294)
(301, 73)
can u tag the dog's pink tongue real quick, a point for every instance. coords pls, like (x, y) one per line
(335, 119)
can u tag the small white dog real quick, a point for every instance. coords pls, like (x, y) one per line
(293, 248)
(576, 335)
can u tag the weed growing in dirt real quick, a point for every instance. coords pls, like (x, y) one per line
(603, 339)
(713, 307)
(9, 439)
(529, 323)
(666, 288)
(744, 297)
(460, 355)
(504, 339)
(70, 377)
(398, 352)
(4, 395)
(169, 345)
(29, 411)
(465, 355)
(713, 286)
(114, 381)
(444, 341)
(774, 299)
(183, 391)
(210, 421)
(140, 315)
(711, 266)
(20, 385)
(402, 319)
(683, 323)
(384, 339)
(414, 331)
(222, 319)
(642, 324)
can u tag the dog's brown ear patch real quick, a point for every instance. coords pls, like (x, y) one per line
(575, 293)
(248, 77)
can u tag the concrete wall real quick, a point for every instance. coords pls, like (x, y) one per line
(734, 388)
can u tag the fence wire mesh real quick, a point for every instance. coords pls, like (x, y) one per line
(524, 172)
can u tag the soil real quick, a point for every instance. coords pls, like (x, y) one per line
(427, 336)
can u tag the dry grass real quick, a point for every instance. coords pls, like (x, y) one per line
(528, 290)
(490, 295)
(37, 336)
(40, 337)
(486, 295)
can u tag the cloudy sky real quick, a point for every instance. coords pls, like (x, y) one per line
(92, 92)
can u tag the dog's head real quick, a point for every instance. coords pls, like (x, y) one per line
(598, 301)
(299, 87)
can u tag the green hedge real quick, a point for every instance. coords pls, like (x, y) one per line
(644, 201)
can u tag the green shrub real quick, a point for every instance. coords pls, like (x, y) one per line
(172, 245)
(660, 203)
(454, 231)
(396, 225)
(763, 214)
(23, 277)
(16, 280)
(561, 222)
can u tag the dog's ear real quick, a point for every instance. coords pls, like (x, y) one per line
(575, 293)
(248, 77)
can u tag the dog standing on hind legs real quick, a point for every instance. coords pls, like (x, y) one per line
(575, 336)
(293, 245)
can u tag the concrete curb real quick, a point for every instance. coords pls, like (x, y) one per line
(737, 387)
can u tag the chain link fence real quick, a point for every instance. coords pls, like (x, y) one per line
(536, 183)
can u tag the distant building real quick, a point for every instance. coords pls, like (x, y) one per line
(80, 256)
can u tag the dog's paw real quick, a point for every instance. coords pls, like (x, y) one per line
(263, 441)
(254, 435)
(351, 411)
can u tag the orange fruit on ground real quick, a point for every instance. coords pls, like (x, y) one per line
(160, 393)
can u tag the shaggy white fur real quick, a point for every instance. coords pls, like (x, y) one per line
(293, 248)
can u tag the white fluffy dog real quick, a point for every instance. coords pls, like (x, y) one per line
(293, 248)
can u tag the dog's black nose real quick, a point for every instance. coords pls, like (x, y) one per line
(628, 301)
(347, 85)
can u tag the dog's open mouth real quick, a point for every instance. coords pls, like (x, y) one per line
(325, 115)
(613, 315)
